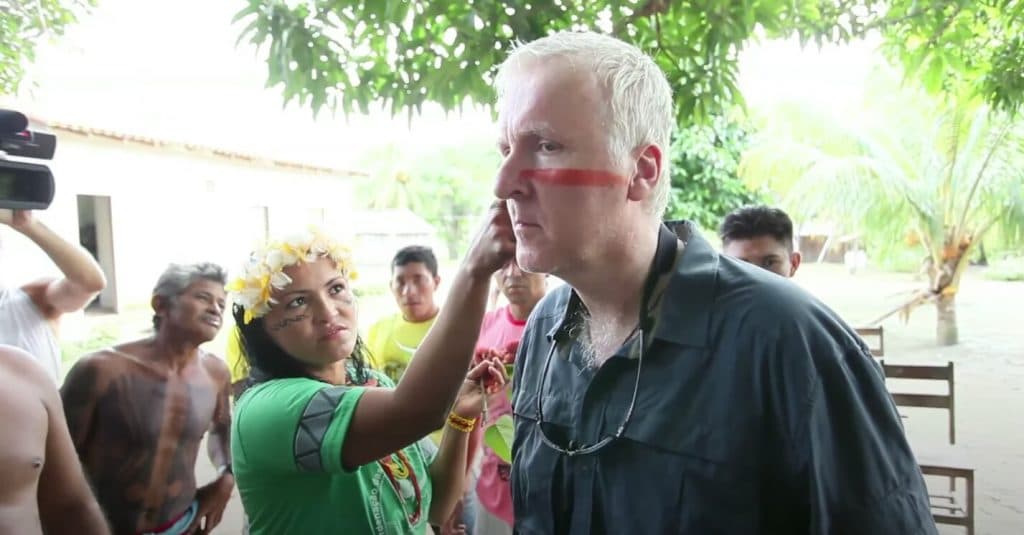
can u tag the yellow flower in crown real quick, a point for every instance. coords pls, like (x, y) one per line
(264, 271)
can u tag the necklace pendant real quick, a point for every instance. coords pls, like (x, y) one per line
(406, 490)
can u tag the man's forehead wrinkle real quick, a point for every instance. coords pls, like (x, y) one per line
(529, 127)
(509, 131)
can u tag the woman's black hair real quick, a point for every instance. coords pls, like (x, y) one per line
(268, 361)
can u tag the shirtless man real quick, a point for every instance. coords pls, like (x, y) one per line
(42, 486)
(138, 411)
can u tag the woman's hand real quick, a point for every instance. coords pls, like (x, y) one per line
(484, 379)
(494, 246)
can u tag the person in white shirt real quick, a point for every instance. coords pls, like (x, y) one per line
(30, 314)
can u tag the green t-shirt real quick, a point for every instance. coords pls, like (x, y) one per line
(392, 342)
(286, 441)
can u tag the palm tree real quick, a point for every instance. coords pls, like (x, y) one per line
(390, 185)
(447, 184)
(942, 174)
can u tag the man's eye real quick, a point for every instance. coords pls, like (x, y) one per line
(548, 146)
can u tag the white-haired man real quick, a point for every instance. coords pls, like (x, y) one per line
(138, 411)
(666, 388)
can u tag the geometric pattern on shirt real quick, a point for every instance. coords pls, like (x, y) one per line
(312, 428)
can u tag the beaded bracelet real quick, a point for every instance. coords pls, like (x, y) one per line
(461, 424)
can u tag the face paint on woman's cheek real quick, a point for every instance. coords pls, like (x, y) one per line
(574, 177)
(288, 321)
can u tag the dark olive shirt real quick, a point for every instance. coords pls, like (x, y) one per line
(758, 411)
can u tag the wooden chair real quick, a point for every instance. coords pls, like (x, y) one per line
(948, 461)
(869, 333)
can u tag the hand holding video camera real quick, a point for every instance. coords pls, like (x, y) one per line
(16, 219)
(24, 185)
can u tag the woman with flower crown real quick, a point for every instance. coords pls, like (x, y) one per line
(323, 444)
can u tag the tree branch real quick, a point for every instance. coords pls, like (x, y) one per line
(981, 174)
(884, 23)
(652, 7)
(942, 28)
(919, 298)
(954, 150)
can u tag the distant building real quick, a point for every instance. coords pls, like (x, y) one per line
(822, 242)
(381, 233)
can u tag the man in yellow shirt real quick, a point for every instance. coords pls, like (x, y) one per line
(238, 367)
(393, 339)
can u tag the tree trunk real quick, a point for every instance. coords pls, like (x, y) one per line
(946, 332)
(982, 257)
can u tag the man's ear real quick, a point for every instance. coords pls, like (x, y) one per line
(794, 262)
(437, 281)
(646, 173)
(159, 304)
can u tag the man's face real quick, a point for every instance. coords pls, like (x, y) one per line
(765, 252)
(519, 287)
(199, 309)
(413, 286)
(565, 190)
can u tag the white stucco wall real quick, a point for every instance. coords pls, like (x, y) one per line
(173, 205)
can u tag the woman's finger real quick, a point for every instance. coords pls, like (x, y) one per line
(478, 370)
(498, 372)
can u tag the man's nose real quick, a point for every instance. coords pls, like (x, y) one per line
(508, 182)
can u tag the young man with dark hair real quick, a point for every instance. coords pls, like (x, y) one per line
(762, 236)
(393, 339)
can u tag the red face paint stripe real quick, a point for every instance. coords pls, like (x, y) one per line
(573, 177)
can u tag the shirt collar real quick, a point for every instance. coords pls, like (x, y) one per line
(683, 317)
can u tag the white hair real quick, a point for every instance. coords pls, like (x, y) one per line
(639, 97)
(176, 279)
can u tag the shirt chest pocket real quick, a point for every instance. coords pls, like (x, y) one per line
(681, 472)
(667, 471)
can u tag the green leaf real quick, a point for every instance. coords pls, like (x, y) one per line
(974, 46)
(498, 437)
(932, 77)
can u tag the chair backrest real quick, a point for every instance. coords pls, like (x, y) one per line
(933, 401)
(871, 333)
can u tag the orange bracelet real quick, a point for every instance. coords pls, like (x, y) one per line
(460, 423)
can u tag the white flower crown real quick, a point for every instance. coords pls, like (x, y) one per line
(264, 271)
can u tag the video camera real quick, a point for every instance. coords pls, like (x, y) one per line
(24, 185)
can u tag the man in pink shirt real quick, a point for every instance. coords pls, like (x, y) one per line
(502, 328)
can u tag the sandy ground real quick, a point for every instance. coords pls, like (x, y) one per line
(989, 365)
(989, 374)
